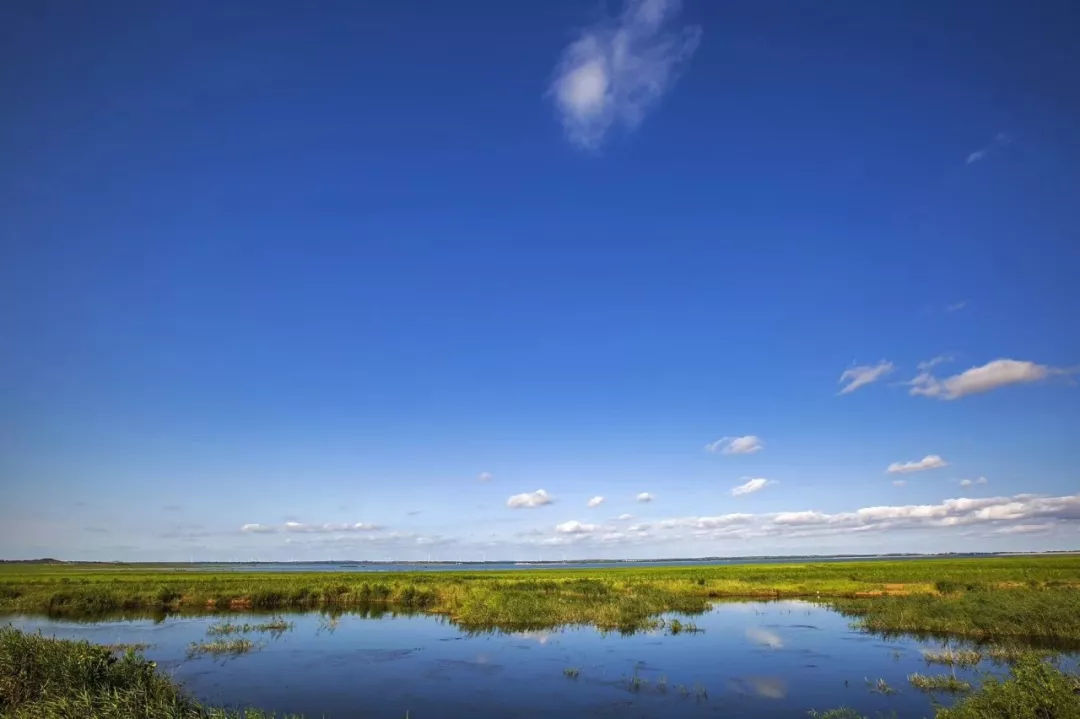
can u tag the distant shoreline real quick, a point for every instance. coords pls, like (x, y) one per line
(769, 558)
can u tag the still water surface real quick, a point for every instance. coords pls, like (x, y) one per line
(751, 659)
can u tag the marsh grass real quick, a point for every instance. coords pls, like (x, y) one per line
(953, 657)
(880, 686)
(938, 683)
(1029, 598)
(1033, 690)
(221, 647)
(571, 672)
(45, 678)
(127, 647)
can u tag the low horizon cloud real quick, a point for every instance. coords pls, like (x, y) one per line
(644, 497)
(328, 528)
(1000, 515)
(618, 68)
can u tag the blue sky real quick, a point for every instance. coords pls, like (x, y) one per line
(357, 280)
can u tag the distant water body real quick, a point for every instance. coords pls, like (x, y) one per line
(511, 566)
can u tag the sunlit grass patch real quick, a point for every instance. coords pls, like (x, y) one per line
(953, 657)
(938, 683)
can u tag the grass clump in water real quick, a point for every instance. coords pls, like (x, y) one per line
(938, 683)
(45, 678)
(571, 672)
(953, 657)
(221, 647)
(880, 687)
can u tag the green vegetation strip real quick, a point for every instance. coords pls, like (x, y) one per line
(1024, 597)
(42, 678)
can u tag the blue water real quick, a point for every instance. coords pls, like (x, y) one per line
(752, 659)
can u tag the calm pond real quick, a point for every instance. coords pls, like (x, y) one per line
(748, 659)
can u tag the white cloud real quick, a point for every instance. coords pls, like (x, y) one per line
(576, 527)
(930, 461)
(863, 375)
(750, 486)
(529, 499)
(956, 306)
(747, 444)
(485, 476)
(899, 482)
(256, 527)
(1000, 140)
(990, 376)
(623, 517)
(644, 497)
(595, 501)
(986, 516)
(618, 68)
(970, 482)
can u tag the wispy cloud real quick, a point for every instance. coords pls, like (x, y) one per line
(747, 444)
(327, 528)
(485, 476)
(990, 376)
(750, 486)
(899, 482)
(595, 501)
(930, 461)
(645, 497)
(624, 516)
(1000, 140)
(956, 306)
(862, 375)
(529, 499)
(970, 482)
(620, 67)
(934, 362)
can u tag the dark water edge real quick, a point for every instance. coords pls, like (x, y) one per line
(748, 659)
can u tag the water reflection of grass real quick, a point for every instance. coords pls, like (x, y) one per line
(983, 599)
(276, 627)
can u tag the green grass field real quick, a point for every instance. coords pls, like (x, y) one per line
(1030, 598)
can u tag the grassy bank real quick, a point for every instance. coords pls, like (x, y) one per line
(43, 678)
(982, 598)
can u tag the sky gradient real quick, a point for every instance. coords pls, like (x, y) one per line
(400, 280)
